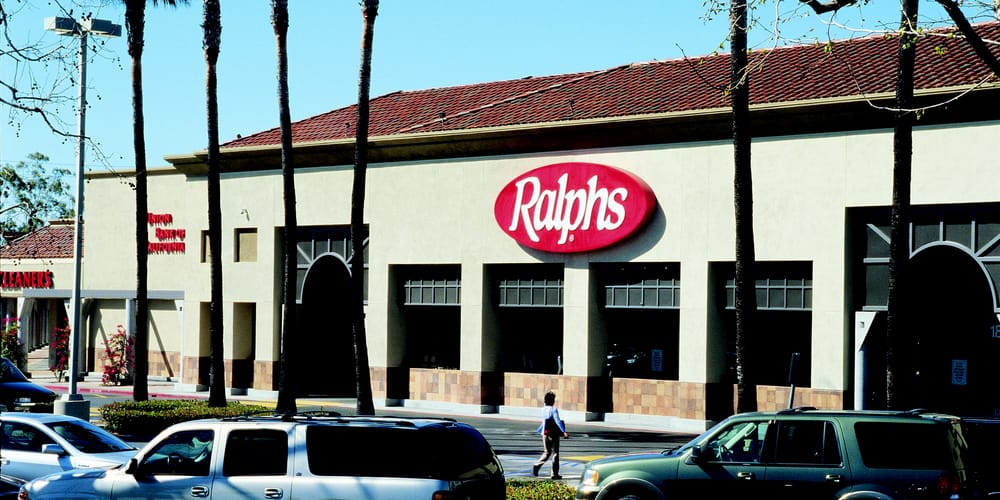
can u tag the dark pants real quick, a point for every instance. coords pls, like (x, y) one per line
(551, 444)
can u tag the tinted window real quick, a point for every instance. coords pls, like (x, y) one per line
(901, 445)
(740, 442)
(812, 442)
(22, 437)
(185, 453)
(88, 437)
(438, 452)
(256, 452)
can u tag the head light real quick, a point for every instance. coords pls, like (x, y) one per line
(589, 477)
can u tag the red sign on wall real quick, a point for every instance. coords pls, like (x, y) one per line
(167, 240)
(25, 279)
(573, 207)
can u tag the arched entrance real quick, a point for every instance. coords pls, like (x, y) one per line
(951, 317)
(325, 345)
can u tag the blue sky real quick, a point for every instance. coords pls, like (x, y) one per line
(431, 43)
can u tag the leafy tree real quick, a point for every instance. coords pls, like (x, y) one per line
(31, 194)
(286, 394)
(365, 404)
(135, 21)
(212, 31)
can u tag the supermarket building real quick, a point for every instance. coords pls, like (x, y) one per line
(576, 233)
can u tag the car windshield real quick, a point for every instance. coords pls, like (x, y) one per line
(10, 373)
(88, 437)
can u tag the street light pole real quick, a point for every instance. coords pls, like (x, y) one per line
(73, 403)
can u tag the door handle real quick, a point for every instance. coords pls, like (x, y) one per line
(744, 475)
(834, 478)
(199, 491)
(273, 493)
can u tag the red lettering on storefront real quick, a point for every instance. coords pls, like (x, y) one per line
(159, 219)
(25, 279)
(573, 207)
(169, 240)
(166, 247)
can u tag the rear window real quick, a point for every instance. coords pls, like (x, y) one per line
(901, 445)
(453, 452)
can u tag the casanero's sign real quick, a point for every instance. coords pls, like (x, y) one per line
(573, 207)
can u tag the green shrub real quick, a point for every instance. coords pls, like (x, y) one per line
(535, 489)
(148, 418)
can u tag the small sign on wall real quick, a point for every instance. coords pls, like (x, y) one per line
(959, 371)
(657, 360)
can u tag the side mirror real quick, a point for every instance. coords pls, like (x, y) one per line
(132, 467)
(696, 456)
(53, 449)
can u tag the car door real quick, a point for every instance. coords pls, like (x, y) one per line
(180, 466)
(21, 452)
(256, 463)
(728, 465)
(806, 460)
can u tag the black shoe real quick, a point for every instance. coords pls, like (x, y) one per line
(555, 476)
(535, 469)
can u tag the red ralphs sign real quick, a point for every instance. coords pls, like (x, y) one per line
(573, 207)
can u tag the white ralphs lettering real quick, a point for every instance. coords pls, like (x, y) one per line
(573, 207)
(564, 209)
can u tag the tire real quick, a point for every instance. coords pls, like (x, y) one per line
(628, 494)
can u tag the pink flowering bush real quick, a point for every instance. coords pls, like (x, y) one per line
(10, 345)
(118, 358)
(59, 359)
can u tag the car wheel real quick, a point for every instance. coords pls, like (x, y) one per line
(628, 494)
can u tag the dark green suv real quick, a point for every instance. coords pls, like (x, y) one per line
(800, 453)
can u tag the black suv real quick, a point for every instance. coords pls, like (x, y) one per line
(800, 453)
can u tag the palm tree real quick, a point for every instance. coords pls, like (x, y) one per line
(899, 350)
(286, 395)
(135, 23)
(365, 405)
(212, 29)
(746, 298)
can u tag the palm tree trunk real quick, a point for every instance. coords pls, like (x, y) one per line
(899, 347)
(212, 36)
(135, 19)
(286, 375)
(365, 404)
(746, 298)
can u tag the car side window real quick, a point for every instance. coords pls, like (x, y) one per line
(21, 437)
(740, 442)
(256, 452)
(184, 453)
(811, 442)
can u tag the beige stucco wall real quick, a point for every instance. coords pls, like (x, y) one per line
(441, 212)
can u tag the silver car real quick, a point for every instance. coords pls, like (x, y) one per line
(299, 457)
(35, 444)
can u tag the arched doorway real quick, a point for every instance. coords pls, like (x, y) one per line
(325, 345)
(951, 316)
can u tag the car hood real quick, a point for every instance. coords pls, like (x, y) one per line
(76, 481)
(104, 459)
(616, 459)
(26, 389)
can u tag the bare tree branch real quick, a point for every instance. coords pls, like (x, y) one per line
(977, 43)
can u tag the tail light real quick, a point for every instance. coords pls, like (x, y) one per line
(949, 485)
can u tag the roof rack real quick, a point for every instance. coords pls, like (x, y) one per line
(797, 409)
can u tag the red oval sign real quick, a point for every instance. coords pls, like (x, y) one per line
(573, 207)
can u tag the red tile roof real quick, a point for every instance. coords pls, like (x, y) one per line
(54, 241)
(848, 68)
